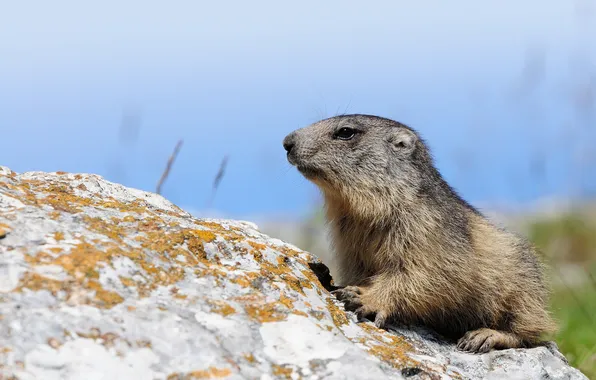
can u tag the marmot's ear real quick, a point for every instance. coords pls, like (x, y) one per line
(403, 140)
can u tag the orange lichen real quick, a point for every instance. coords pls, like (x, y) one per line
(246, 279)
(289, 252)
(390, 348)
(249, 358)
(313, 280)
(264, 312)
(143, 343)
(59, 236)
(127, 281)
(129, 219)
(83, 260)
(108, 298)
(221, 307)
(209, 373)
(204, 235)
(283, 272)
(81, 263)
(317, 314)
(137, 206)
(249, 298)
(231, 234)
(110, 230)
(35, 282)
(338, 315)
(57, 188)
(61, 201)
(281, 372)
(257, 254)
(289, 303)
(286, 301)
(175, 293)
(257, 246)
(4, 230)
(40, 258)
(294, 283)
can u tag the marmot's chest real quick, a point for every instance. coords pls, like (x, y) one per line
(375, 253)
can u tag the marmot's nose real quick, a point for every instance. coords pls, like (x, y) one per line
(289, 142)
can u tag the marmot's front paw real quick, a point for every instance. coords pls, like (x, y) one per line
(350, 296)
(358, 300)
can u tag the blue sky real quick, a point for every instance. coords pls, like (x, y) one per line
(235, 77)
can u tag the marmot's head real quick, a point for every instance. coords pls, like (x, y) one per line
(360, 153)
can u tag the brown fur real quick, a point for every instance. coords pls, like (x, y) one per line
(408, 248)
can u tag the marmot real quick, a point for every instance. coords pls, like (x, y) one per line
(409, 248)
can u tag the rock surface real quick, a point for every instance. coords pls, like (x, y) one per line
(100, 281)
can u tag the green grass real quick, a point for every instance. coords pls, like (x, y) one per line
(577, 327)
(571, 239)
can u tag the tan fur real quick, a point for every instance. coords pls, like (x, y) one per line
(434, 278)
(401, 258)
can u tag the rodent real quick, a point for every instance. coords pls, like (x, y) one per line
(409, 249)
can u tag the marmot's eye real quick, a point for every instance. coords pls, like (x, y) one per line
(345, 133)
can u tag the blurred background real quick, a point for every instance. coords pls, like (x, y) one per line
(192, 99)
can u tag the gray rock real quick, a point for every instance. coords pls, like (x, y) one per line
(99, 281)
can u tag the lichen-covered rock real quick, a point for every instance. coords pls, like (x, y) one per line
(99, 281)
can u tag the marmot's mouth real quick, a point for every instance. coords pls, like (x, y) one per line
(308, 171)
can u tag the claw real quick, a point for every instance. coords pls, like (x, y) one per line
(364, 312)
(478, 341)
(461, 344)
(339, 294)
(348, 291)
(353, 289)
(381, 319)
(351, 297)
(352, 305)
(486, 346)
(342, 294)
